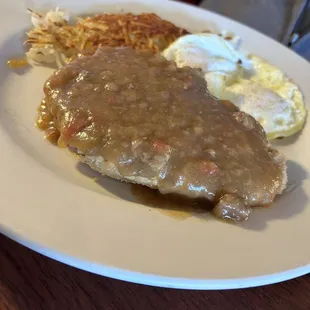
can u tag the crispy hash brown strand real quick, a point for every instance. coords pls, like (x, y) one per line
(145, 31)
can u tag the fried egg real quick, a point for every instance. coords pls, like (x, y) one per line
(217, 55)
(250, 82)
(271, 98)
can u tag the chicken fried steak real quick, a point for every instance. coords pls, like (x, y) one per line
(136, 117)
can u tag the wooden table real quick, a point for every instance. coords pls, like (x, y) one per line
(30, 281)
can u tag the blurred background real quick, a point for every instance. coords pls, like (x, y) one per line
(287, 21)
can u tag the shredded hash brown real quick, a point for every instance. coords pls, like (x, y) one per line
(142, 32)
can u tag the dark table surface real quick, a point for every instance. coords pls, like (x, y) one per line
(31, 281)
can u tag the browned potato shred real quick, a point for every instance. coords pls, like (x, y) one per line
(17, 63)
(145, 31)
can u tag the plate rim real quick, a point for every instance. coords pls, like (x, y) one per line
(155, 280)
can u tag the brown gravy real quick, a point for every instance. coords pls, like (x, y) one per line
(172, 205)
(137, 117)
(45, 121)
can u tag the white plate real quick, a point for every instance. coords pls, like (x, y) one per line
(51, 207)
